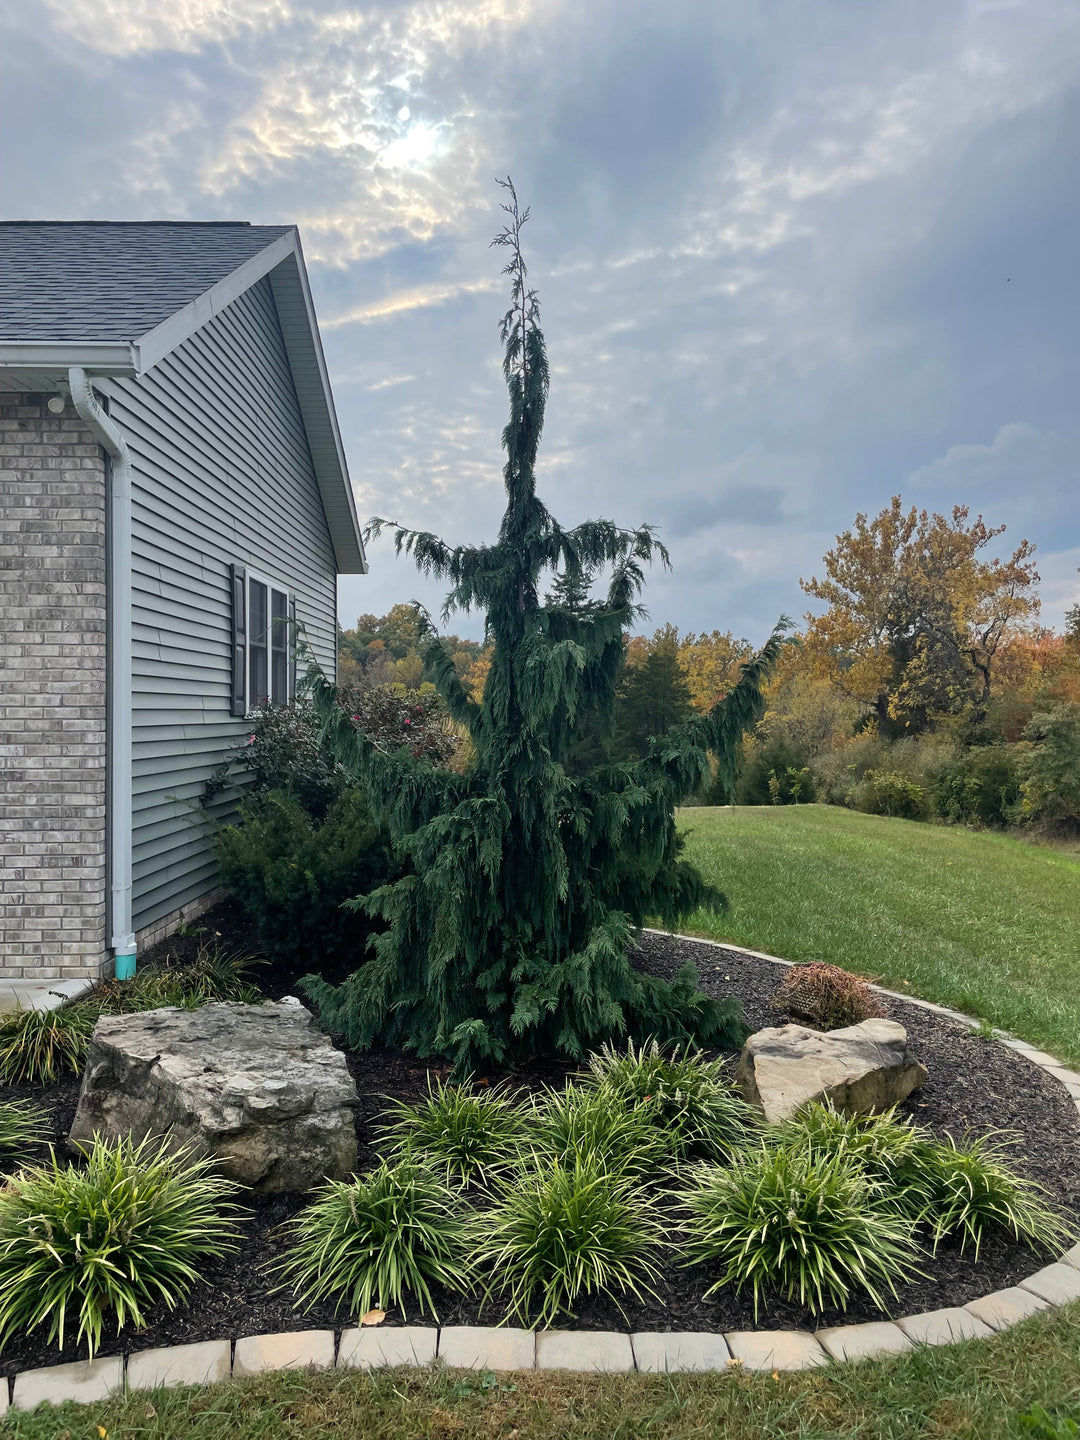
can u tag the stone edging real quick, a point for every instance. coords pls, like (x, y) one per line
(471, 1347)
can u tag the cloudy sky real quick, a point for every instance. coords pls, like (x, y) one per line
(794, 256)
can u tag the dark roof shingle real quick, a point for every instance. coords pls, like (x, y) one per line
(87, 281)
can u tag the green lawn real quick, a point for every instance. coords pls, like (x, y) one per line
(972, 1391)
(977, 921)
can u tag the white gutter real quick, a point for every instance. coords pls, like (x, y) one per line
(122, 937)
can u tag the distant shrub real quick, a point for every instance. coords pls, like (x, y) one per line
(825, 996)
(377, 1239)
(86, 1246)
(1050, 767)
(560, 1231)
(775, 772)
(470, 1134)
(292, 875)
(42, 1046)
(887, 792)
(839, 774)
(687, 1097)
(810, 1226)
(24, 1129)
(980, 787)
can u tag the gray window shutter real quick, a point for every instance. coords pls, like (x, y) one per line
(293, 639)
(239, 638)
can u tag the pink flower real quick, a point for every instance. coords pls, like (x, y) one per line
(251, 740)
(407, 720)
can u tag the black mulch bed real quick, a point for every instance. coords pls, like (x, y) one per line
(974, 1085)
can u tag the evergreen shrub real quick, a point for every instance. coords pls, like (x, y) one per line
(980, 787)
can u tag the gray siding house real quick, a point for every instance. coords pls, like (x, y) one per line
(173, 494)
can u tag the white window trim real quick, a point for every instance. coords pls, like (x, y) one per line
(271, 585)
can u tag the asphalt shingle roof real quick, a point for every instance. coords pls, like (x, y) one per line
(77, 280)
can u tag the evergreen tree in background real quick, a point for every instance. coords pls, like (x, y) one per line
(653, 696)
(512, 933)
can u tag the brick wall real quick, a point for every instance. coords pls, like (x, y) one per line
(52, 693)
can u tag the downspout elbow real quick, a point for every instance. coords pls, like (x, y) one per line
(108, 433)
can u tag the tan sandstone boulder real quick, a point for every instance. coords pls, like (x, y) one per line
(862, 1069)
(258, 1087)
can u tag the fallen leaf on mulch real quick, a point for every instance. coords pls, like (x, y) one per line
(373, 1317)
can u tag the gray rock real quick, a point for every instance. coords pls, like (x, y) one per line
(861, 1069)
(259, 1087)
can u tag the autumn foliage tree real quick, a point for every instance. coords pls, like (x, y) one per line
(916, 614)
(512, 932)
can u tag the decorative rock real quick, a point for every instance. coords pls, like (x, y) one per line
(775, 1349)
(478, 1347)
(1006, 1307)
(288, 1350)
(672, 1352)
(372, 1346)
(198, 1364)
(599, 1352)
(860, 1342)
(259, 1087)
(942, 1327)
(82, 1380)
(861, 1069)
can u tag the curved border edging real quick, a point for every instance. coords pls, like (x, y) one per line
(472, 1347)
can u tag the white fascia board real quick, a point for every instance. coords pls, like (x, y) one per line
(102, 357)
(157, 343)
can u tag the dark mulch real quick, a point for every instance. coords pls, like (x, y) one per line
(974, 1085)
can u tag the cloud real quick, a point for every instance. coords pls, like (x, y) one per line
(134, 27)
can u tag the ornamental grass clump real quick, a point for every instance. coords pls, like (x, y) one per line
(470, 1134)
(809, 1226)
(560, 1231)
(82, 1246)
(580, 1121)
(974, 1190)
(370, 1242)
(42, 1046)
(687, 1097)
(216, 973)
(889, 1151)
(825, 997)
(24, 1129)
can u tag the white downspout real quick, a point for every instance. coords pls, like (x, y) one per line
(122, 937)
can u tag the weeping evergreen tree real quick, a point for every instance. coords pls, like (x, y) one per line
(511, 934)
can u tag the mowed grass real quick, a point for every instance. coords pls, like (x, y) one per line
(984, 923)
(970, 1391)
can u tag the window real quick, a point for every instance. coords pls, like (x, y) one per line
(263, 615)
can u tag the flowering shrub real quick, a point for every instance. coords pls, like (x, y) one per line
(394, 718)
(825, 996)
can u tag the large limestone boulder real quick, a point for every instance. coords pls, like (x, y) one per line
(259, 1087)
(862, 1069)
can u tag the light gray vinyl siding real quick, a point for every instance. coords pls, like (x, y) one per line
(222, 474)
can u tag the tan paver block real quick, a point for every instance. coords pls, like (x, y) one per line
(674, 1351)
(602, 1352)
(1006, 1307)
(289, 1350)
(479, 1347)
(775, 1349)
(1072, 1257)
(860, 1342)
(369, 1347)
(943, 1327)
(199, 1364)
(1057, 1283)
(83, 1380)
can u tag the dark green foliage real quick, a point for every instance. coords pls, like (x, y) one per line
(888, 792)
(1051, 768)
(653, 696)
(779, 762)
(24, 1129)
(470, 1133)
(292, 875)
(511, 934)
(1041, 1425)
(808, 1224)
(82, 1246)
(684, 1095)
(283, 752)
(980, 787)
(216, 973)
(557, 1232)
(377, 1239)
(41, 1046)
